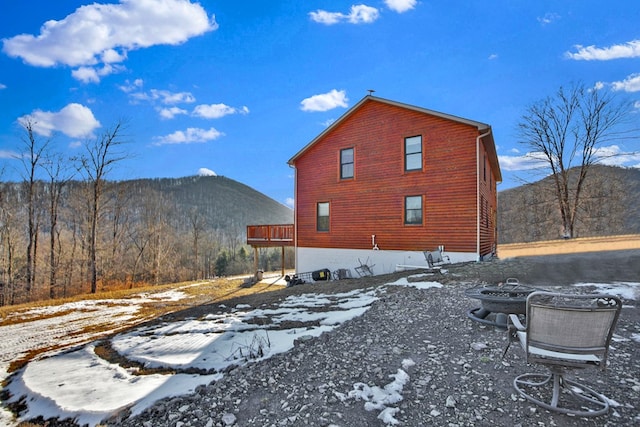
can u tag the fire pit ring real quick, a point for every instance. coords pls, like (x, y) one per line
(498, 301)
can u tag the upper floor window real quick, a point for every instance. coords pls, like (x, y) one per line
(322, 219)
(413, 153)
(413, 210)
(346, 163)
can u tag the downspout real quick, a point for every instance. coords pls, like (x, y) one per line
(295, 217)
(478, 207)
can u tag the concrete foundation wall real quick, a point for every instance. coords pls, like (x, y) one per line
(380, 261)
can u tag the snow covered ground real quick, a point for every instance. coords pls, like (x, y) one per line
(74, 382)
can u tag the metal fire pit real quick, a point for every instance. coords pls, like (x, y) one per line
(498, 301)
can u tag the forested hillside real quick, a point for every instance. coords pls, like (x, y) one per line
(148, 231)
(610, 205)
(222, 202)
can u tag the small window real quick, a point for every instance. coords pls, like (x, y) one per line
(413, 153)
(484, 167)
(346, 163)
(323, 217)
(413, 210)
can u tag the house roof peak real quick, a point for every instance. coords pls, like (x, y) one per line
(483, 128)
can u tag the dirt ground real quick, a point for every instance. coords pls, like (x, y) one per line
(558, 269)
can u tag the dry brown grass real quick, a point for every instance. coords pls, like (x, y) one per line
(199, 293)
(570, 246)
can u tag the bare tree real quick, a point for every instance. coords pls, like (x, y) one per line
(119, 217)
(100, 158)
(12, 240)
(197, 223)
(59, 175)
(148, 234)
(566, 131)
(32, 159)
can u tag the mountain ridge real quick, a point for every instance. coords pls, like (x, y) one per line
(226, 202)
(610, 205)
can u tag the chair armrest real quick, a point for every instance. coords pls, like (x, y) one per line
(514, 326)
(515, 321)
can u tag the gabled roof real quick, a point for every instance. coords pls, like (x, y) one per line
(482, 127)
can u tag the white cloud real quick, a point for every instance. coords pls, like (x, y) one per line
(190, 136)
(8, 154)
(400, 6)
(548, 18)
(589, 53)
(527, 161)
(74, 120)
(613, 155)
(93, 74)
(170, 113)
(216, 111)
(493, 56)
(86, 75)
(111, 55)
(129, 87)
(103, 33)
(164, 97)
(206, 172)
(362, 14)
(630, 84)
(327, 18)
(325, 102)
(291, 202)
(2, 86)
(358, 14)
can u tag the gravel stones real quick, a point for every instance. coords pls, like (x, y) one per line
(456, 377)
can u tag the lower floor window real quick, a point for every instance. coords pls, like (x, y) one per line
(413, 210)
(322, 223)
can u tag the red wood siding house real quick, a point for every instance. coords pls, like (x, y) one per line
(415, 179)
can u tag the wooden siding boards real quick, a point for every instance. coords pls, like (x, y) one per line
(372, 202)
(489, 200)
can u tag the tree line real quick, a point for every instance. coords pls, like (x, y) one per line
(609, 205)
(65, 229)
(566, 133)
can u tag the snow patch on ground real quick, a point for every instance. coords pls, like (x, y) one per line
(410, 281)
(382, 398)
(626, 290)
(76, 383)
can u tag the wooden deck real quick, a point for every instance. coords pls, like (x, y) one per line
(270, 235)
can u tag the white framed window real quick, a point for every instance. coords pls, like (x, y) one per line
(322, 216)
(413, 210)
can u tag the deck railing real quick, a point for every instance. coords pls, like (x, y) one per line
(270, 235)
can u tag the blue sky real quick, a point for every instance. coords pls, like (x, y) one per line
(236, 88)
